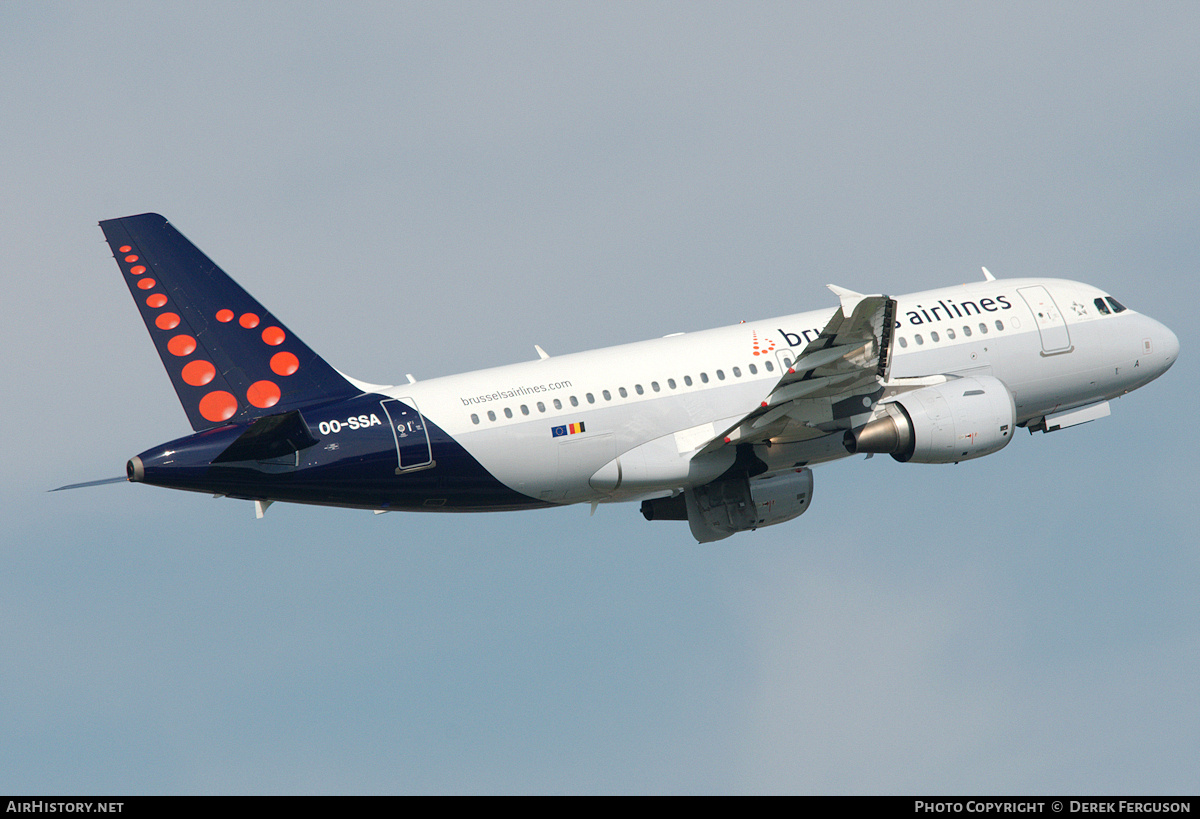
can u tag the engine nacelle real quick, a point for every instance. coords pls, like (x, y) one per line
(716, 510)
(961, 419)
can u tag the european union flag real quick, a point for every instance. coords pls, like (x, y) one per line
(555, 432)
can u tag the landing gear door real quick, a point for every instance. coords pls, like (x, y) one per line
(408, 429)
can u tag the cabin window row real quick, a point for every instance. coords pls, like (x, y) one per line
(639, 389)
(950, 334)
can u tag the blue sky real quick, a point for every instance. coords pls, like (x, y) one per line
(433, 188)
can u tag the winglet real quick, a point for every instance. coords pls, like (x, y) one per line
(988, 275)
(542, 354)
(849, 298)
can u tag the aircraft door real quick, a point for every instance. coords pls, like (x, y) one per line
(1052, 327)
(413, 450)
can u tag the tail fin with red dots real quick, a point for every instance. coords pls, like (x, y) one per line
(229, 359)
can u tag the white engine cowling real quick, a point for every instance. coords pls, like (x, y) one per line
(961, 419)
(719, 509)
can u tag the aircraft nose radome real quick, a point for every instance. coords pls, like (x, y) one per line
(1165, 346)
(1170, 343)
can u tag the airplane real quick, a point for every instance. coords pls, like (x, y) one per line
(719, 428)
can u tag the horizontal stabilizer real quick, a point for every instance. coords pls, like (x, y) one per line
(271, 437)
(101, 482)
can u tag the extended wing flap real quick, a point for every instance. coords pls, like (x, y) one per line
(856, 340)
(852, 352)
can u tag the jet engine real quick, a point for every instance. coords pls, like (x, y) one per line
(961, 419)
(719, 509)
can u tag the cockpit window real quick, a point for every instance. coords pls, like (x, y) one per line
(1116, 305)
(1102, 307)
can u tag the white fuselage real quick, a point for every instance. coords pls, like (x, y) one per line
(656, 403)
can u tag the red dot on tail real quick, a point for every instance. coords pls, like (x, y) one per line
(263, 394)
(156, 300)
(146, 284)
(248, 320)
(284, 364)
(125, 248)
(273, 336)
(198, 373)
(182, 345)
(167, 321)
(224, 316)
(137, 269)
(218, 406)
(131, 259)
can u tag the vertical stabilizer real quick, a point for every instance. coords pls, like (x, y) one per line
(229, 359)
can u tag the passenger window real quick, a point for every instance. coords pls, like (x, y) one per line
(934, 336)
(474, 418)
(720, 375)
(671, 383)
(638, 389)
(541, 407)
(737, 373)
(591, 398)
(903, 341)
(491, 415)
(507, 412)
(687, 379)
(950, 333)
(557, 404)
(524, 410)
(983, 328)
(654, 386)
(704, 377)
(999, 324)
(966, 330)
(917, 338)
(607, 395)
(623, 392)
(770, 367)
(1101, 306)
(753, 370)
(574, 401)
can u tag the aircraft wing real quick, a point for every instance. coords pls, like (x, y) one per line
(849, 359)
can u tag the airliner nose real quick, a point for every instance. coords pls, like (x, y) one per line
(1165, 347)
(1170, 346)
(1159, 348)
